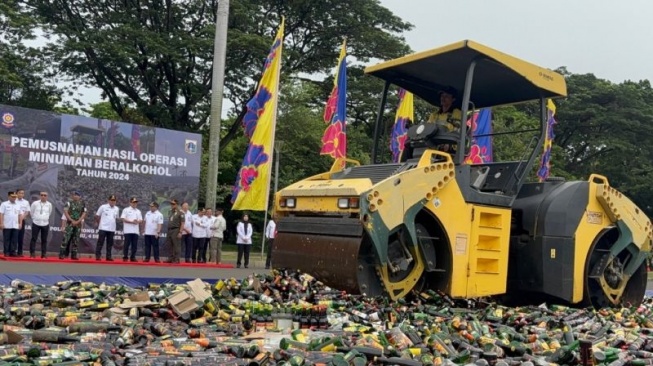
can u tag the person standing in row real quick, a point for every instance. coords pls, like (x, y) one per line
(270, 233)
(40, 211)
(10, 219)
(75, 211)
(244, 231)
(199, 235)
(24, 207)
(153, 225)
(175, 225)
(187, 232)
(132, 219)
(105, 219)
(207, 230)
(218, 227)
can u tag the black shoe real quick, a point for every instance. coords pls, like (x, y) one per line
(43, 256)
(237, 265)
(32, 255)
(157, 261)
(62, 257)
(109, 259)
(98, 258)
(132, 260)
(125, 259)
(146, 260)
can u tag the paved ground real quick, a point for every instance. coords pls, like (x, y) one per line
(257, 265)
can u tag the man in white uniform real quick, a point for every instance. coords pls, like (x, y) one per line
(132, 219)
(153, 225)
(24, 208)
(199, 235)
(10, 219)
(41, 211)
(207, 240)
(270, 233)
(105, 218)
(186, 232)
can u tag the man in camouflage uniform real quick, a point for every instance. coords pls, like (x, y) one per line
(75, 212)
(173, 238)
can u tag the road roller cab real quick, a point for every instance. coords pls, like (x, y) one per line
(432, 221)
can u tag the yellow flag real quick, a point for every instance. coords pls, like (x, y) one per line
(252, 183)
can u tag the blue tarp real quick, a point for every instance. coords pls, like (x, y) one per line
(6, 278)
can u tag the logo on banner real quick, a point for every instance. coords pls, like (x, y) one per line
(191, 146)
(8, 120)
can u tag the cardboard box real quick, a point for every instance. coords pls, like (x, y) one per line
(182, 302)
(198, 290)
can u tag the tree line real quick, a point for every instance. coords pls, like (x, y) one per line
(152, 61)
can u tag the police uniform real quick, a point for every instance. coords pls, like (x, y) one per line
(175, 223)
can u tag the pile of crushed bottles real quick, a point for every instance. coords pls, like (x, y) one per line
(289, 318)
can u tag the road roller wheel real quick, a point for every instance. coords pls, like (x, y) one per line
(602, 278)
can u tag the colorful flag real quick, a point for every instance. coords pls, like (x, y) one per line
(334, 140)
(481, 145)
(404, 117)
(252, 183)
(545, 164)
(136, 139)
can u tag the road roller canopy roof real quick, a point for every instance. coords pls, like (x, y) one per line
(498, 78)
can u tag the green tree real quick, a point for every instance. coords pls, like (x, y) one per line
(156, 56)
(607, 128)
(23, 69)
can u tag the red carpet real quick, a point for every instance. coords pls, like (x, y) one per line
(91, 260)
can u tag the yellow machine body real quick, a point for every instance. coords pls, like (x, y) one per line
(434, 222)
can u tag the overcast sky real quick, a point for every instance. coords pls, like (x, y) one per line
(608, 38)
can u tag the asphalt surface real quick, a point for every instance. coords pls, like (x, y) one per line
(168, 271)
(83, 269)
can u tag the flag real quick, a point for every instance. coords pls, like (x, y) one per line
(481, 147)
(136, 139)
(545, 164)
(252, 182)
(405, 116)
(334, 140)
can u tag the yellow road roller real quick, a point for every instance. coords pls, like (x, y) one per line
(434, 221)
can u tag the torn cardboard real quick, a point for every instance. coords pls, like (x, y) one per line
(182, 302)
(139, 296)
(198, 290)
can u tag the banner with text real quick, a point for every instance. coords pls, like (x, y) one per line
(59, 153)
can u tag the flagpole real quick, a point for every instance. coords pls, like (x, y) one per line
(274, 130)
(217, 92)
